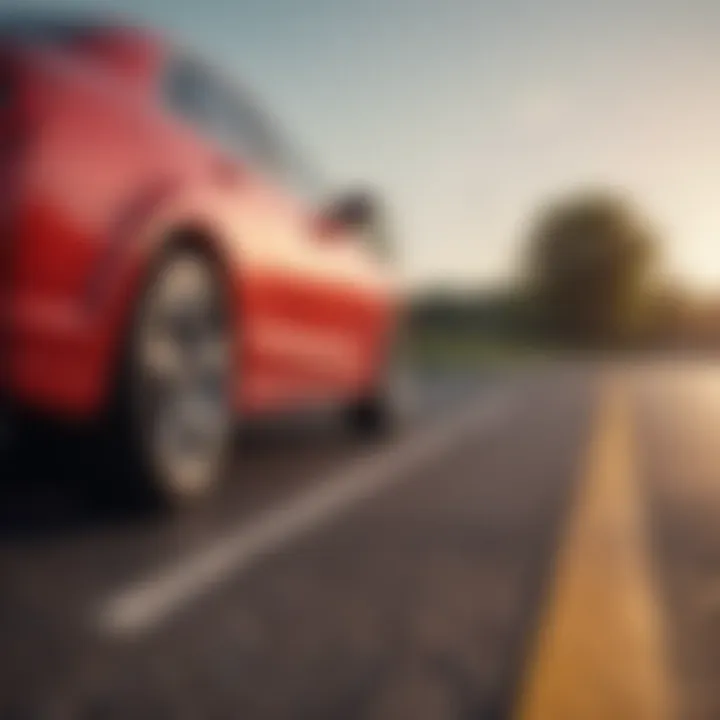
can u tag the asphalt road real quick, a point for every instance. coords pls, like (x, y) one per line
(537, 543)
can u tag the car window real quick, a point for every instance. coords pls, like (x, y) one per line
(187, 90)
(233, 119)
(205, 100)
(247, 132)
(257, 134)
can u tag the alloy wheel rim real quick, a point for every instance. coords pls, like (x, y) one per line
(183, 368)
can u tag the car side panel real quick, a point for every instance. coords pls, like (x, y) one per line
(108, 176)
(354, 306)
(93, 173)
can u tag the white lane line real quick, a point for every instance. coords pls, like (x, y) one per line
(150, 601)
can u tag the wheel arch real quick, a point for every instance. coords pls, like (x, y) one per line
(182, 235)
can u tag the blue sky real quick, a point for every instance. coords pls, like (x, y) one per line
(468, 114)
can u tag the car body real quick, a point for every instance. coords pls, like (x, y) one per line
(115, 142)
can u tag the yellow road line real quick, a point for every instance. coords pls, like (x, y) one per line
(600, 652)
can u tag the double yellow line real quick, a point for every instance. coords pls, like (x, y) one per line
(600, 652)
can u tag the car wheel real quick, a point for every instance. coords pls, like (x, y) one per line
(380, 412)
(172, 421)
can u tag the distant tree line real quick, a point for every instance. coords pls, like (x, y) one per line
(589, 269)
(486, 312)
(590, 277)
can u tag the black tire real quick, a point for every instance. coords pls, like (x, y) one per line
(132, 444)
(30, 445)
(381, 412)
(371, 418)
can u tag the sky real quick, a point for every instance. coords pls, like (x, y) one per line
(468, 115)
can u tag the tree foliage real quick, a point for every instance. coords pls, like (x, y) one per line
(589, 259)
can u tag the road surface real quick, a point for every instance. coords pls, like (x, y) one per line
(539, 543)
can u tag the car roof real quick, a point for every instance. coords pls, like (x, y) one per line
(134, 49)
(61, 27)
(50, 24)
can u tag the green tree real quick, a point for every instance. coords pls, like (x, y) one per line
(590, 258)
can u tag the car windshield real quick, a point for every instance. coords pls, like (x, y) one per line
(270, 142)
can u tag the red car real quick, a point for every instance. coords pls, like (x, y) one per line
(164, 264)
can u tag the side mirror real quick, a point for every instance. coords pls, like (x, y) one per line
(356, 211)
(352, 211)
(360, 213)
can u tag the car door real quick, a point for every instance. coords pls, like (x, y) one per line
(308, 301)
(336, 289)
(253, 221)
(288, 347)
